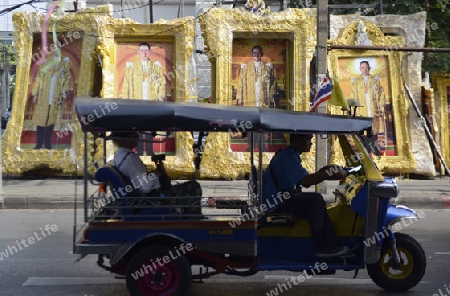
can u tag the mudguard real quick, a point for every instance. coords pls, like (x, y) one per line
(396, 213)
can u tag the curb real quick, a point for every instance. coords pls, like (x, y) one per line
(59, 194)
(19, 203)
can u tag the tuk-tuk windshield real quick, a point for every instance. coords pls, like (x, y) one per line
(355, 154)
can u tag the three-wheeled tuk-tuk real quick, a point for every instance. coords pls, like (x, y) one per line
(155, 240)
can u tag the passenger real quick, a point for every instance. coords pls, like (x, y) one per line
(131, 166)
(289, 172)
(155, 183)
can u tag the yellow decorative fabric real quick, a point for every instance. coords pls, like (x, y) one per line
(246, 93)
(377, 100)
(135, 77)
(41, 91)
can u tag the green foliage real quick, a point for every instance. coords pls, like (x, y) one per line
(438, 23)
(7, 54)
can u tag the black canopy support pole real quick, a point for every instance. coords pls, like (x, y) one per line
(260, 168)
(422, 120)
(85, 178)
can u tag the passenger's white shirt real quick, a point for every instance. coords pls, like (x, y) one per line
(134, 168)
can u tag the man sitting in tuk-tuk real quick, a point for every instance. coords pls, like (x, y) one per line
(153, 184)
(288, 173)
(131, 166)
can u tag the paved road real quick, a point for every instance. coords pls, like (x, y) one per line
(46, 267)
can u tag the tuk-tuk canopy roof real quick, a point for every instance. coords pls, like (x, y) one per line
(139, 115)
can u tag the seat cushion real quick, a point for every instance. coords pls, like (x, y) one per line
(111, 176)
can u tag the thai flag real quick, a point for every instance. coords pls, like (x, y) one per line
(323, 94)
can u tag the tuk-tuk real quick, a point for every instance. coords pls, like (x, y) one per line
(154, 241)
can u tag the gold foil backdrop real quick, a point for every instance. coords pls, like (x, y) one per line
(219, 27)
(403, 161)
(181, 33)
(27, 25)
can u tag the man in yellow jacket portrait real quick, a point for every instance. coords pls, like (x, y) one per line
(49, 92)
(144, 80)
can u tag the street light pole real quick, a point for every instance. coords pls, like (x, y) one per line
(322, 37)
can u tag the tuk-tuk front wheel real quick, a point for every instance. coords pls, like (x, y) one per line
(391, 277)
(155, 271)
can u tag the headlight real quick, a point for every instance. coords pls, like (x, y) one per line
(386, 189)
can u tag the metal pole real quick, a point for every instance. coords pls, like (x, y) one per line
(150, 8)
(181, 9)
(4, 86)
(390, 48)
(2, 201)
(322, 37)
(430, 136)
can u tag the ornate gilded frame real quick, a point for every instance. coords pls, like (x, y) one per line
(403, 161)
(27, 25)
(220, 27)
(181, 33)
(441, 85)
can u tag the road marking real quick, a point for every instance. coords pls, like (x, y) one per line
(270, 279)
(442, 253)
(63, 281)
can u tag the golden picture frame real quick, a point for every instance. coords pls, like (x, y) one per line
(382, 90)
(55, 143)
(441, 85)
(225, 30)
(171, 47)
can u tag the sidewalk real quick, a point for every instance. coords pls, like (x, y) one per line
(59, 194)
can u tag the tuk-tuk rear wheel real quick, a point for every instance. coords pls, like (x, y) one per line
(408, 274)
(148, 274)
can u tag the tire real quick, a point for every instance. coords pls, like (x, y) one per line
(158, 279)
(412, 268)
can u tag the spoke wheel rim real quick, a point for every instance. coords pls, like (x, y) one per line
(406, 265)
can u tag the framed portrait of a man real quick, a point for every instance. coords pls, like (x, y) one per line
(151, 62)
(371, 83)
(367, 79)
(53, 68)
(260, 61)
(145, 71)
(52, 90)
(259, 79)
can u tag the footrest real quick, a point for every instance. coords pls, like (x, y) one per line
(278, 219)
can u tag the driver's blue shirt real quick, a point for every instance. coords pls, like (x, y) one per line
(288, 170)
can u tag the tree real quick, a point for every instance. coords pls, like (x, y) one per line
(438, 24)
(7, 62)
(7, 54)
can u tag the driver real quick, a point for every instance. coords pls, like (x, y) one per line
(289, 172)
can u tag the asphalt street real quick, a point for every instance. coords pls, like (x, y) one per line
(47, 267)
